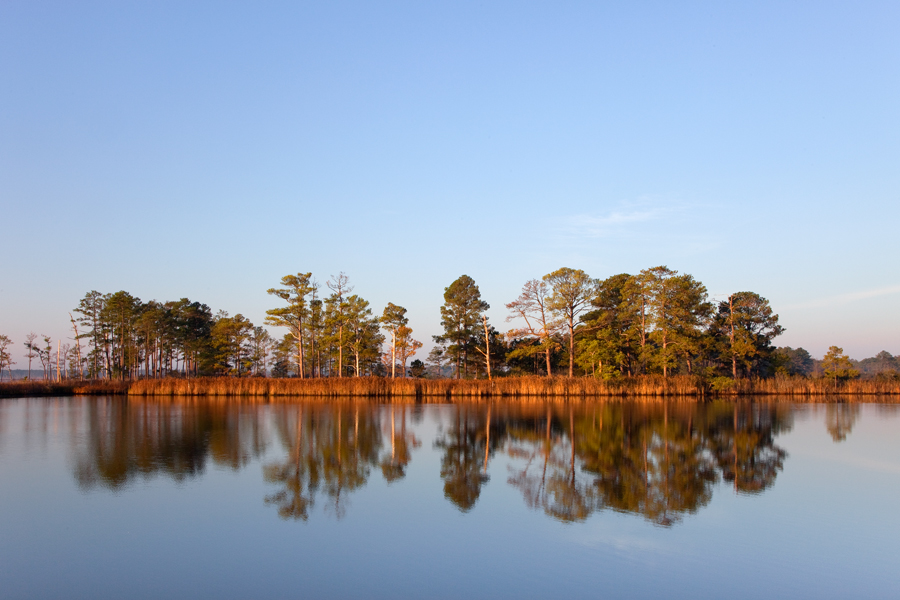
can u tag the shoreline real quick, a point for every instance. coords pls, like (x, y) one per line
(522, 389)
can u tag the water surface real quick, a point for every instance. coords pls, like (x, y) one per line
(105, 498)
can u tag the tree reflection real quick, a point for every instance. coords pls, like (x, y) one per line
(464, 463)
(840, 419)
(393, 467)
(656, 467)
(329, 451)
(659, 461)
(125, 440)
(550, 480)
(298, 476)
(746, 452)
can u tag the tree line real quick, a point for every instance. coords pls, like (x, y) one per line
(657, 321)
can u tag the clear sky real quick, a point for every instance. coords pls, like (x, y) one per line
(204, 150)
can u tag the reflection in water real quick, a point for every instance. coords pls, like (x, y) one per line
(464, 463)
(839, 419)
(330, 450)
(125, 441)
(393, 466)
(657, 460)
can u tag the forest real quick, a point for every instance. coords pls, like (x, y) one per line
(658, 323)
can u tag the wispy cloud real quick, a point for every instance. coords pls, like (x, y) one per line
(593, 225)
(848, 297)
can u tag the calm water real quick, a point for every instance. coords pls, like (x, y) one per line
(100, 498)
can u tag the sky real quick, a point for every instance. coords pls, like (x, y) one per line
(207, 149)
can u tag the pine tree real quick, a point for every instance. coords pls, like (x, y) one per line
(460, 318)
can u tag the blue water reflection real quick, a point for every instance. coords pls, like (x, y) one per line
(105, 497)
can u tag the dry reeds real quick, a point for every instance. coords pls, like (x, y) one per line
(23, 389)
(802, 386)
(379, 387)
(521, 389)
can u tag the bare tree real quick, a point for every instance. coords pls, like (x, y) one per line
(340, 287)
(572, 292)
(31, 350)
(531, 307)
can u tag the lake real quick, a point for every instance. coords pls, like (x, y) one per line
(111, 498)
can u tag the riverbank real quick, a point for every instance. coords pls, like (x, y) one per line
(23, 389)
(521, 388)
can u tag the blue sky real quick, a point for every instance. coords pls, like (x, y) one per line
(205, 150)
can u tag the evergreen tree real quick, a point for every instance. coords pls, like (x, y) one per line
(295, 315)
(364, 335)
(393, 319)
(837, 365)
(605, 346)
(461, 318)
(747, 325)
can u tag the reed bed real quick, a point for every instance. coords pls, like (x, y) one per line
(522, 389)
(380, 387)
(23, 389)
(802, 386)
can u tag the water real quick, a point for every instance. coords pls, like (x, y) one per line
(102, 498)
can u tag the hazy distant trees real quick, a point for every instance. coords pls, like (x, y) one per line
(794, 361)
(882, 365)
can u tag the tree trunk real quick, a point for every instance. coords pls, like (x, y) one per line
(487, 347)
(300, 352)
(571, 346)
(731, 319)
(458, 350)
(341, 351)
(393, 352)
